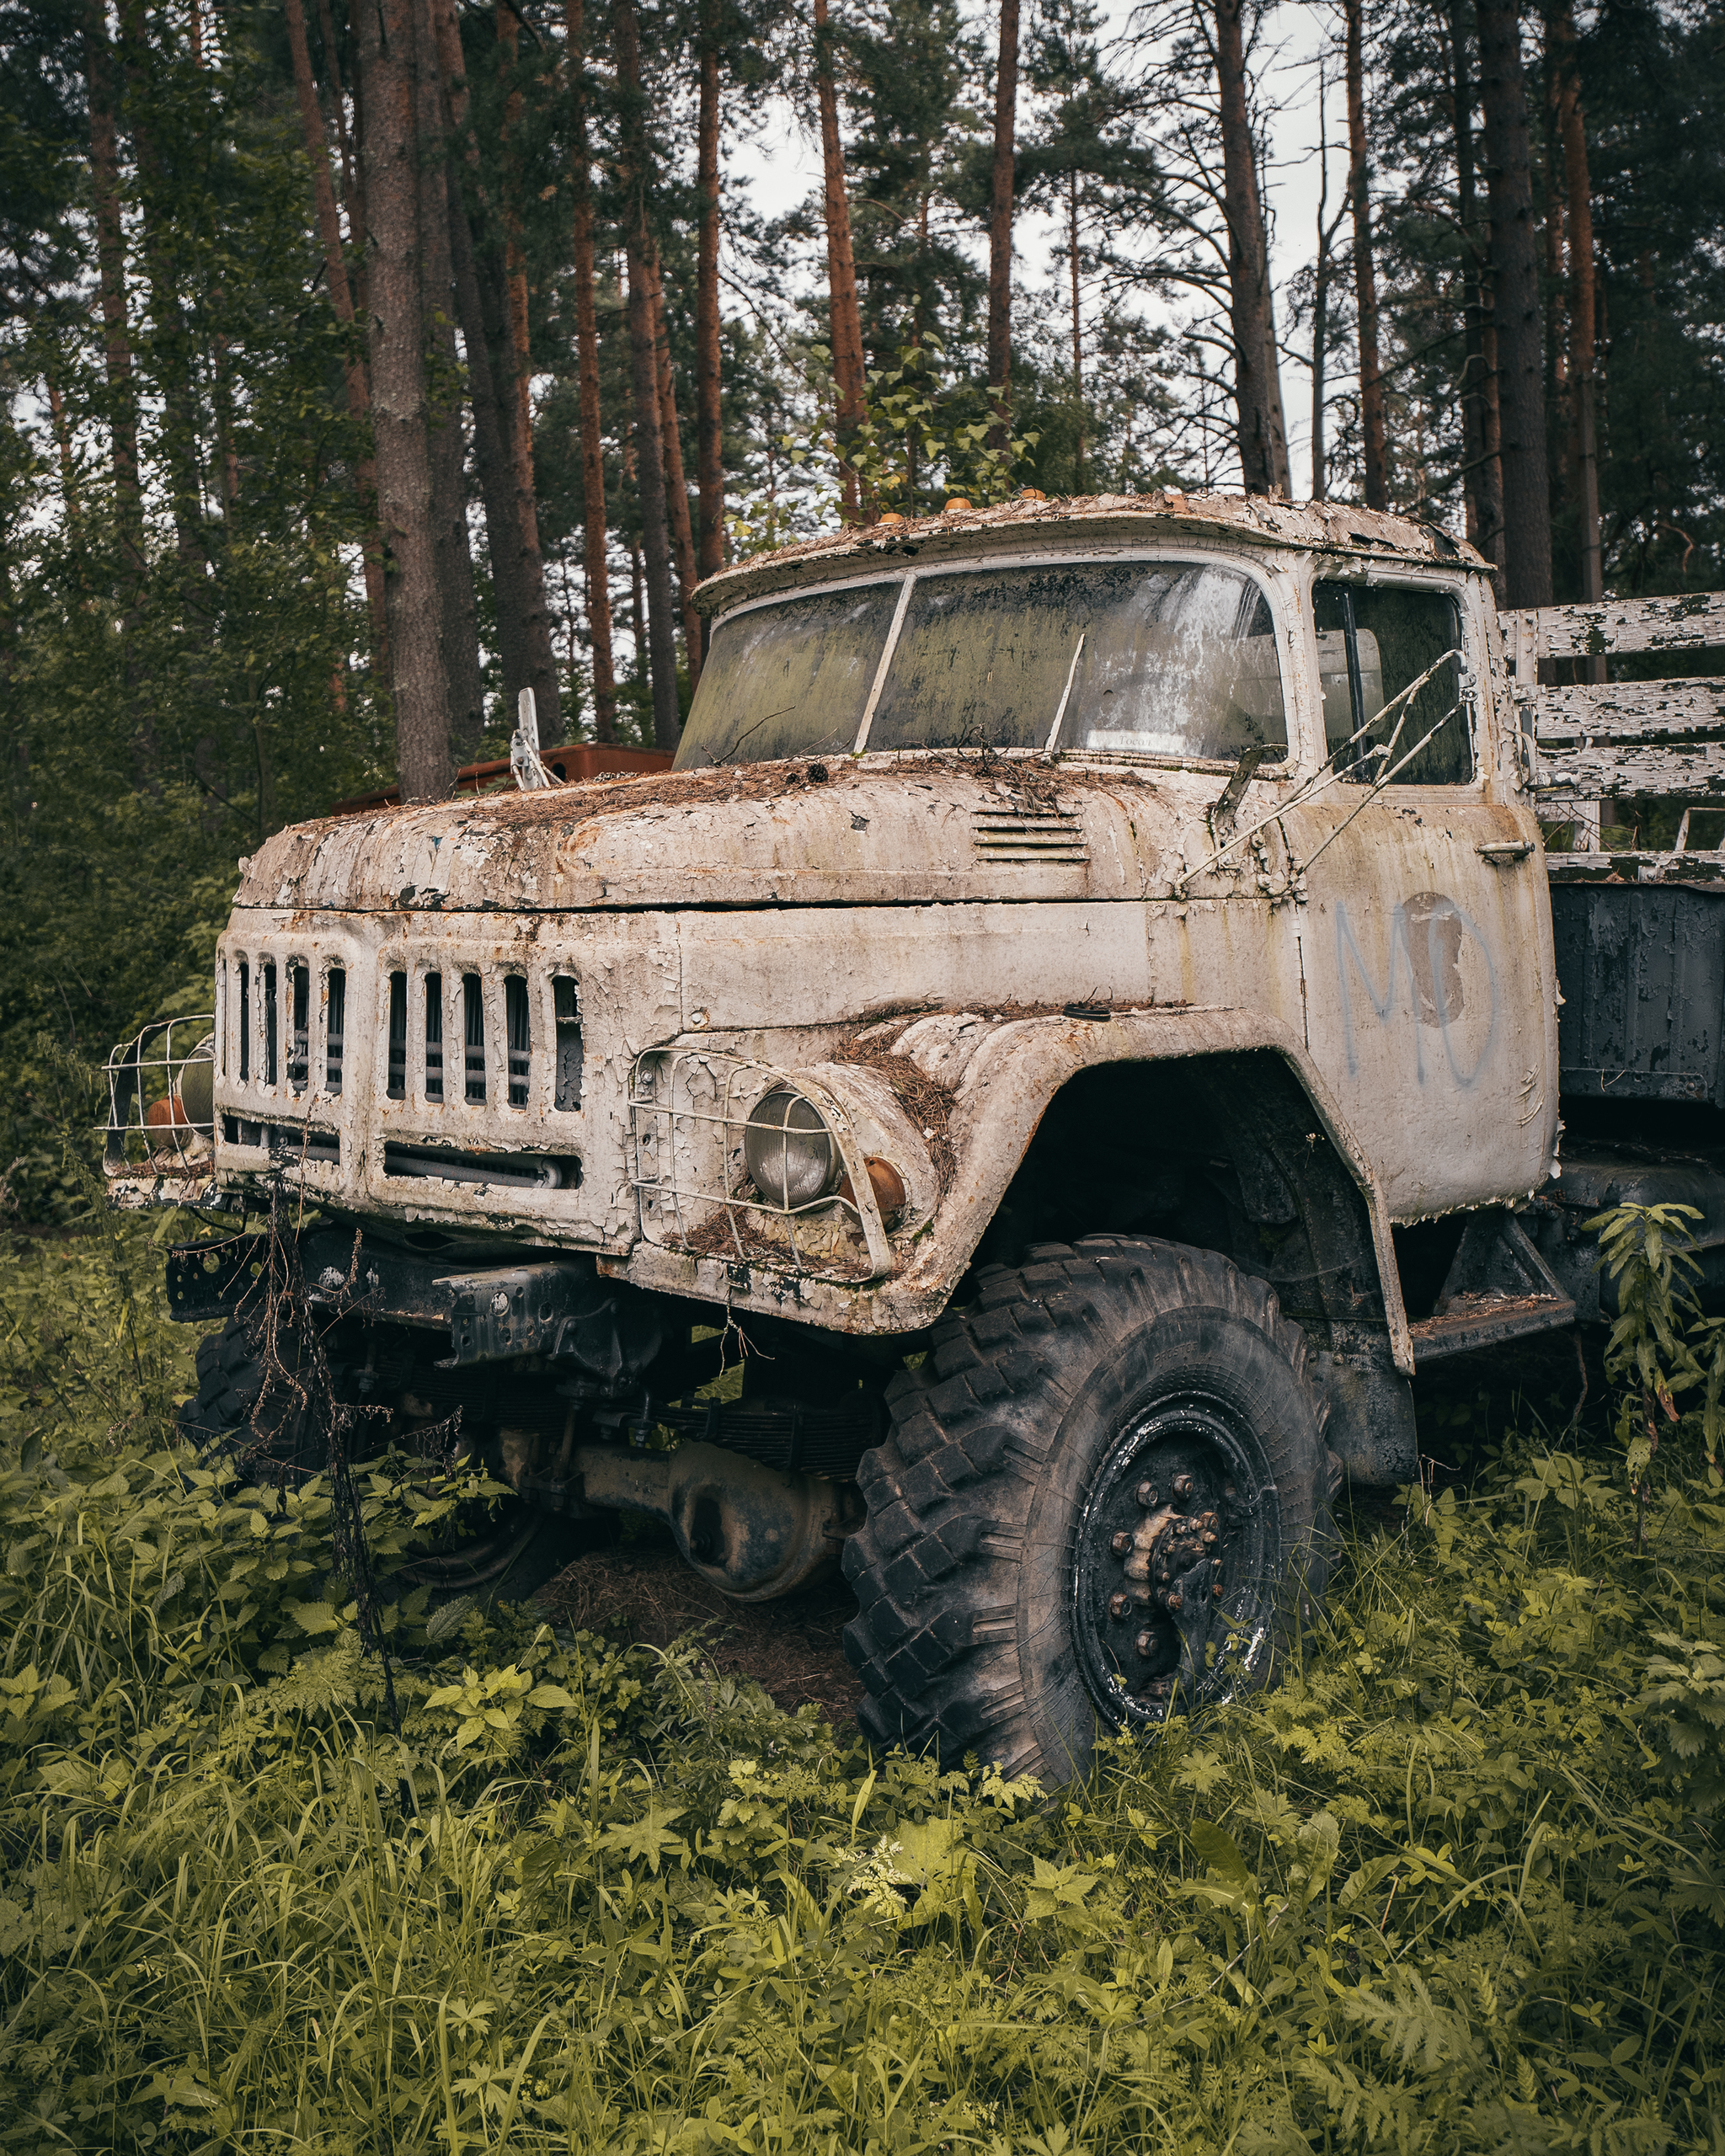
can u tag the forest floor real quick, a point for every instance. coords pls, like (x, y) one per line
(643, 1591)
(629, 1881)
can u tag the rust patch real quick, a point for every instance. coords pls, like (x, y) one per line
(733, 1235)
(1434, 956)
(788, 779)
(928, 1104)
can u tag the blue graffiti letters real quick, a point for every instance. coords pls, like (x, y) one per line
(1426, 936)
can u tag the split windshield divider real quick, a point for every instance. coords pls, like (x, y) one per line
(886, 659)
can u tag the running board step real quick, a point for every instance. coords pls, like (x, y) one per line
(1498, 1289)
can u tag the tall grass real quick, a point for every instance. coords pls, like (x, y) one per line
(1454, 1887)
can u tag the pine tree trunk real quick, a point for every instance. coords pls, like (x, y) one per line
(709, 435)
(1365, 282)
(595, 562)
(491, 455)
(1000, 222)
(69, 492)
(110, 268)
(170, 349)
(643, 378)
(1077, 329)
(1557, 328)
(480, 334)
(676, 489)
(1257, 392)
(353, 187)
(847, 319)
(448, 488)
(1482, 479)
(1521, 387)
(389, 152)
(530, 577)
(1583, 303)
(359, 393)
(1321, 277)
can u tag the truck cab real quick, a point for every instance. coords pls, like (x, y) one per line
(1077, 1027)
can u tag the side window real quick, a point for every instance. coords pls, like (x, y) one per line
(1372, 642)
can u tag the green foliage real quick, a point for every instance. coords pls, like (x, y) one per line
(1451, 1887)
(1661, 1343)
(923, 434)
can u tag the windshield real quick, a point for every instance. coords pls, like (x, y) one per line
(1175, 658)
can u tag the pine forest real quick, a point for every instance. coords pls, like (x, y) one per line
(365, 368)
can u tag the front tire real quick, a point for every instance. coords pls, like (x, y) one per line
(1106, 1494)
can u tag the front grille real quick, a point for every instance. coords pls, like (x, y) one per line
(568, 1010)
(395, 1057)
(479, 1062)
(474, 1030)
(434, 1037)
(299, 1052)
(519, 1025)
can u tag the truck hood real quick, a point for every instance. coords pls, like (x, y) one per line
(912, 831)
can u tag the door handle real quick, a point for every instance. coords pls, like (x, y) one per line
(1503, 853)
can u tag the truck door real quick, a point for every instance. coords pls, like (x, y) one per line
(1426, 953)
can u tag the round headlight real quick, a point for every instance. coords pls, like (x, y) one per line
(789, 1150)
(197, 1084)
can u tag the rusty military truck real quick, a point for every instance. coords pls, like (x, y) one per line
(1011, 1114)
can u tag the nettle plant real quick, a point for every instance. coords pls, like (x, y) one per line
(1662, 1342)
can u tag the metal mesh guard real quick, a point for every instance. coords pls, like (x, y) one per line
(688, 1109)
(145, 1072)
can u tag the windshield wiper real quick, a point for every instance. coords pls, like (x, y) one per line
(1054, 732)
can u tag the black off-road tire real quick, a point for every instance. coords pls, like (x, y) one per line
(221, 1418)
(1052, 1421)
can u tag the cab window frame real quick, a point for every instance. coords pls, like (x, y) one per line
(1462, 593)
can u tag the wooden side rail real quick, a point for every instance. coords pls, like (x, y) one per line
(1596, 741)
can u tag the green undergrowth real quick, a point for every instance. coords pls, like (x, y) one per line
(1454, 1885)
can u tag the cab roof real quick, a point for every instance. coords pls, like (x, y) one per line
(1032, 521)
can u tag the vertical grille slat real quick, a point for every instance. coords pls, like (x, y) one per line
(567, 1010)
(434, 1037)
(518, 1024)
(474, 1014)
(272, 1037)
(397, 1082)
(334, 1029)
(299, 1000)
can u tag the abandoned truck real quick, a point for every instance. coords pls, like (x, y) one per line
(1076, 1034)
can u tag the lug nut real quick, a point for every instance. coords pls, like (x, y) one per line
(1174, 1602)
(1119, 1606)
(1121, 1543)
(1145, 1644)
(1146, 1494)
(1183, 1488)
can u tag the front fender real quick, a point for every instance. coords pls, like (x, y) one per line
(997, 1079)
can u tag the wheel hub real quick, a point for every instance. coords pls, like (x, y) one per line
(1169, 1561)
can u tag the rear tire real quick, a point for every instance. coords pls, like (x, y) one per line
(1106, 1495)
(518, 1550)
